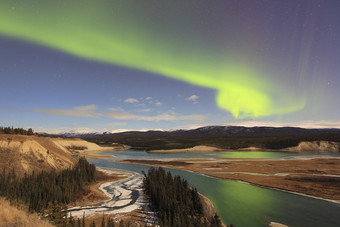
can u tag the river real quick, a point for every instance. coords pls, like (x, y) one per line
(240, 203)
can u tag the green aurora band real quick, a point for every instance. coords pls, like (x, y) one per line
(138, 35)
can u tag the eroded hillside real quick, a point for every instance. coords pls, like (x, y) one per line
(25, 154)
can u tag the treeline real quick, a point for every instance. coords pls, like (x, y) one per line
(175, 203)
(40, 190)
(160, 142)
(16, 131)
(48, 193)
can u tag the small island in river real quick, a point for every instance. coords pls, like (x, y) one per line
(314, 177)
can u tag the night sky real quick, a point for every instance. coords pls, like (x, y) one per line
(110, 65)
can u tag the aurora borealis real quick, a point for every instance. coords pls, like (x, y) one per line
(261, 58)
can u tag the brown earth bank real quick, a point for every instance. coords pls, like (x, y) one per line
(136, 218)
(26, 154)
(200, 148)
(97, 156)
(304, 146)
(13, 216)
(92, 195)
(315, 177)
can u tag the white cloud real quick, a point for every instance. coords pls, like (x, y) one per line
(119, 114)
(301, 124)
(159, 104)
(116, 109)
(149, 98)
(168, 116)
(145, 110)
(193, 98)
(77, 111)
(131, 100)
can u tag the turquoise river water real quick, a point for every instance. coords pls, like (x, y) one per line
(240, 203)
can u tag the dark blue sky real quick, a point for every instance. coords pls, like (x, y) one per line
(165, 65)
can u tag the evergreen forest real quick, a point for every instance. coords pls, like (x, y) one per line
(175, 203)
(16, 131)
(47, 192)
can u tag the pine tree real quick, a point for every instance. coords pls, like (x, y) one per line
(78, 222)
(103, 221)
(83, 221)
(30, 132)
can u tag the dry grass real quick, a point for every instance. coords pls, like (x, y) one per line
(11, 216)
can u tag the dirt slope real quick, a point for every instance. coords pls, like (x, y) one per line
(319, 146)
(77, 145)
(12, 216)
(25, 154)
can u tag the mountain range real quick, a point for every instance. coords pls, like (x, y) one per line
(229, 131)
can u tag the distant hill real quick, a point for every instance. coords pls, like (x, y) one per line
(226, 137)
(233, 131)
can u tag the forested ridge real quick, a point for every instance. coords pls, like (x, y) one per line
(225, 137)
(16, 131)
(175, 203)
(47, 192)
(38, 190)
(164, 142)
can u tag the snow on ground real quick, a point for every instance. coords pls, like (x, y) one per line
(125, 196)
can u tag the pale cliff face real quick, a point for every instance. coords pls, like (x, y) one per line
(318, 146)
(76, 145)
(26, 154)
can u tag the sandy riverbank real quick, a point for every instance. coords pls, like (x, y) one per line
(93, 194)
(93, 156)
(117, 195)
(314, 177)
(303, 146)
(114, 196)
(200, 148)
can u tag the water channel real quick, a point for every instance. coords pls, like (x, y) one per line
(240, 203)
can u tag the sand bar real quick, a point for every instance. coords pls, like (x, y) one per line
(313, 177)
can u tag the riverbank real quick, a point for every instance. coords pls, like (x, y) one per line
(314, 177)
(200, 148)
(116, 195)
(93, 195)
(93, 156)
(206, 149)
(304, 146)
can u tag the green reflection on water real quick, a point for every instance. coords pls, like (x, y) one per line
(229, 198)
(247, 205)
